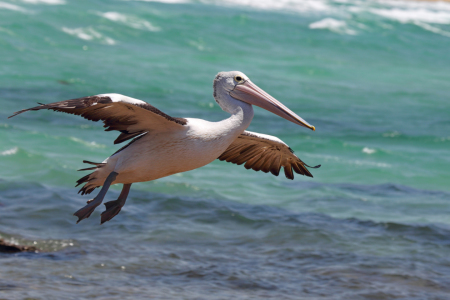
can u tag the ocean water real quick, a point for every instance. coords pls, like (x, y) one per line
(371, 76)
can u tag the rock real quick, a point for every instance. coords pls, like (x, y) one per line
(11, 248)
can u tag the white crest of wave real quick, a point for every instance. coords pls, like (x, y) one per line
(368, 150)
(89, 34)
(51, 2)
(10, 151)
(12, 7)
(352, 161)
(333, 25)
(438, 5)
(288, 5)
(433, 29)
(166, 1)
(414, 15)
(85, 143)
(291, 5)
(130, 21)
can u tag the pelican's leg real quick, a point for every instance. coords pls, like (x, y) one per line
(114, 207)
(86, 211)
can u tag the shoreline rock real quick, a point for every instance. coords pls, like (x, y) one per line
(6, 247)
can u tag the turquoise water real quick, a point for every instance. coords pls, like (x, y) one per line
(371, 76)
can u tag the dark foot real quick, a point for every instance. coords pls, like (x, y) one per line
(112, 209)
(86, 211)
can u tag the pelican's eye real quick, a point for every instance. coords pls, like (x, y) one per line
(239, 78)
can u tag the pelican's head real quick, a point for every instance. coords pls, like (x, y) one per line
(237, 85)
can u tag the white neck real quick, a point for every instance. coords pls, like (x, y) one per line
(241, 115)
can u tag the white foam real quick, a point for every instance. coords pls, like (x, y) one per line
(432, 5)
(288, 5)
(12, 7)
(433, 29)
(50, 2)
(414, 15)
(420, 13)
(165, 1)
(85, 143)
(333, 25)
(403, 11)
(89, 34)
(10, 151)
(130, 21)
(368, 150)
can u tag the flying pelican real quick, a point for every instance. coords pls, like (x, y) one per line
(162, 145)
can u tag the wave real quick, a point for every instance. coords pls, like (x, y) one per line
(396, 9)
(333, 25)
(129, 21)
(50, 2)
(414, 15)
(421, 14)
(237, 250)
(165, 1)
(347, 161)
(85, 143)
(433, 29)
(368, 150)
(158, 207)
(9, 6)
(11, 151)
(89, 34)
(291, 5)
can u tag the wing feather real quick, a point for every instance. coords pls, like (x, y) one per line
(265, 153)
(132, 117)
(276, 166)
(268, 162)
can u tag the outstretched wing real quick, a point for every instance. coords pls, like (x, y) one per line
(132, 117)
(262, 152)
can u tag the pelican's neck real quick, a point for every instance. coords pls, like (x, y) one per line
(241, 114)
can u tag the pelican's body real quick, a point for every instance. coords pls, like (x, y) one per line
(162, 145)
(156, 156)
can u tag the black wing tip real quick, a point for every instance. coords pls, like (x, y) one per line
(309, 173)
(315, 167)
(15, 114)
(19, 112)
(87, 169)
(85, 101)
(27, 109)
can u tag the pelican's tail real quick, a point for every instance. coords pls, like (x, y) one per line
(89, 186)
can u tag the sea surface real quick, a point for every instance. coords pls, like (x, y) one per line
(373, 77)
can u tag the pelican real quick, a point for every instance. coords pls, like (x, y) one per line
(162, 145)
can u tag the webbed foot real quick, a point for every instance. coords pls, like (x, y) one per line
(112, 209)
(86, 211)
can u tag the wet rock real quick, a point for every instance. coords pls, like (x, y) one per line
(6, 247)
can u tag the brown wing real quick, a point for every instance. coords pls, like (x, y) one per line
(265, 153)
(132, 117)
